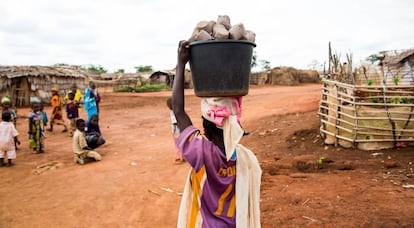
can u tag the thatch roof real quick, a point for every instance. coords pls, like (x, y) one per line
(393, 58)
(59, 71)
(164, 72)
(114, 76)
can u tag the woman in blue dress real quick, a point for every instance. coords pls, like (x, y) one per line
(90, 102)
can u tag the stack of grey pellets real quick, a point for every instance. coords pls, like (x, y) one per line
(221, 30)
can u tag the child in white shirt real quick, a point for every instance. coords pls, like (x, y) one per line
(8, 138)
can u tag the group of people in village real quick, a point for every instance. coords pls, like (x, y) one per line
(86, 135)
(222, 188)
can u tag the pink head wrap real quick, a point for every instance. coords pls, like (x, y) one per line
(225, 112)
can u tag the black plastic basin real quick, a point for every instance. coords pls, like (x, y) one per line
(221, 68)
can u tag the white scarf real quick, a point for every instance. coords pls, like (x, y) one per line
(225, 113)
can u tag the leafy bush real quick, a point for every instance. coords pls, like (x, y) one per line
(94, 69)
(150, 88)
(143, 88)
(142, 68)
(123, 89)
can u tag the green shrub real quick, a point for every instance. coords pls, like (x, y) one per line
(123, 89)
(151, 88)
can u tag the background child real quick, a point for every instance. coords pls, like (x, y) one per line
(80, 146)
(45, 119)
(93, 134)
(6, 106)
(8, 138)
(72, 112)
(178, 157)
(36, 128)
(78, 95)
(90, 101)
(56, 116)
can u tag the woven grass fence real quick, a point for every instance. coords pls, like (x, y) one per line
(367, 117)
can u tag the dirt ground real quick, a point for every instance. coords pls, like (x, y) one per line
(137, 185)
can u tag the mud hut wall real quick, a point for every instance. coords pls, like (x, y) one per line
(22, 88)
(255, 78)
(188, 79)
(119, 80)
(23, 82)
(368, 122)
(5, 84)
(403, 71)
(306, 76)
(376, 73)
(158, 79)
(18, 89)
(291, 76)
(259, 78)
(282, 76)
(161, 78)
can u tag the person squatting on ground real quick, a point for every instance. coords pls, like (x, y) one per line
(223, 185)
(6, 106)
(56, 116)
(8, 138)
(178, 157)
(80, 147)
(90, 103)
(72, 112)
(93, 134)
(36, 128)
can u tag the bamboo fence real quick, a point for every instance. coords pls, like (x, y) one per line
(367, 116)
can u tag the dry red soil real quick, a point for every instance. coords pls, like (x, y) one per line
(137, 185)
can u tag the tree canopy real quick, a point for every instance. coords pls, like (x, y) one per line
(142, 68)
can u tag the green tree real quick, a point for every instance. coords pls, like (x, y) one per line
(262, 63)
(60, 64)
(265, 65)
(120, 71)
(95, 69)
(375, 57)
(315, 65)
(254, 59)
(142, 68)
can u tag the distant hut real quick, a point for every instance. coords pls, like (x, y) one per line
(121, 80)
(162, 77)
(188, 79)
(292, 76)
(398, 67)
(167, 78)
(22, 82)
(259, 78)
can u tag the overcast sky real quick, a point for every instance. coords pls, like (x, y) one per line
(126, 33)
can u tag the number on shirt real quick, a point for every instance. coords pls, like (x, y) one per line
(222, 200)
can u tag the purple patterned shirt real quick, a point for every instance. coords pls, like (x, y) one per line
(213, 180)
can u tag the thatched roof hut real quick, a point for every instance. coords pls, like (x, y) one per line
(285, 76)
(22, 82)
(167, 77)
(121, 80)
(188, 79)
(162, 77)
(259, 78)
(398, 66)
(396, 58)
